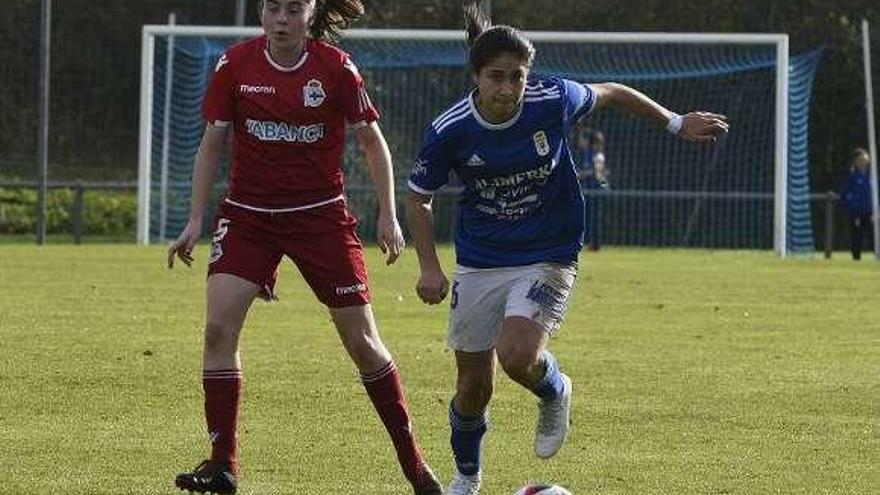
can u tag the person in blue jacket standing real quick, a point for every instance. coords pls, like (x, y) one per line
(592, 173)
(855, 195)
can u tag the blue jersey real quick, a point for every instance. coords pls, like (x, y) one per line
(856, 193)
(522, 203)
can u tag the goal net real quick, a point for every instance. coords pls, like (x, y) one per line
(750, 190)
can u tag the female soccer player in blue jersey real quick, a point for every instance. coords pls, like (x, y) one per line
(520, 227)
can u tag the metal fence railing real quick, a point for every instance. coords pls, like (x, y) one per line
(362, 201)
(79, 188)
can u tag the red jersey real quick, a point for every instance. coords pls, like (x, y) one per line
(288, 122)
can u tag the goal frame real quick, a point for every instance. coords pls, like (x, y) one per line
(779, 41)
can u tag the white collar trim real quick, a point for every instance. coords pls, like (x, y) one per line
(485, 123)
(282, 68)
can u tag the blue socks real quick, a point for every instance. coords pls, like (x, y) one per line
(551, 386)
(467, 440)
(468, 431)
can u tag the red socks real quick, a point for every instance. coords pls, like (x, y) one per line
(386, 392)
(222, 395)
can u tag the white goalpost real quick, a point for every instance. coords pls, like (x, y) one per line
(437, 42)
(872, 133)
(145, 133)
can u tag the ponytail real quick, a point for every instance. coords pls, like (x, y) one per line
(487, 42)
(333, 16)
(476, 21)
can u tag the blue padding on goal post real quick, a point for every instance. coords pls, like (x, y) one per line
(802, 71)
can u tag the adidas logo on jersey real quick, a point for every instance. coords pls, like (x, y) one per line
(475, 161)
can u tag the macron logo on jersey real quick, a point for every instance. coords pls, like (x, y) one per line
(283, 131)
(351, 289)
(246, 88)
(348, 64)
(220, 63)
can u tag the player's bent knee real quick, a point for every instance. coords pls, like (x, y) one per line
(220, 338)
(518, 362)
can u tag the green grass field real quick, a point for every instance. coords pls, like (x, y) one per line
(695, 372)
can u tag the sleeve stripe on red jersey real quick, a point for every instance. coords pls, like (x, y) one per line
(364, 100)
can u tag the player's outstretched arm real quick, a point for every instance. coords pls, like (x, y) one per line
(204, 171)
(432, 285)
(389, 234)
(693, 126)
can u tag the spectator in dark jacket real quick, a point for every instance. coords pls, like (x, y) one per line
(855, 194)
(593, 175)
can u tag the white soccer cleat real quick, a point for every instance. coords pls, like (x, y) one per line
(463, 484)
(553, 421)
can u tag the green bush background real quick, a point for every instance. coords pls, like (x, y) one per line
(104, 212)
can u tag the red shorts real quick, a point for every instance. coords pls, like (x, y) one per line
(321, 242)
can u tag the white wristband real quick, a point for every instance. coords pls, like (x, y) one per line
(674, 124)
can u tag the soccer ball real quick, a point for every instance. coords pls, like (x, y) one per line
(542, 490)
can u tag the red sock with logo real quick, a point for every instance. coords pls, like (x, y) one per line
(222, 395)
(386, 392)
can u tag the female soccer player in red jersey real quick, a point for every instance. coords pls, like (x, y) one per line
(288, 95)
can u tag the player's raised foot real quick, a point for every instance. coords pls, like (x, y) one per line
(463, 484)
(553, 421)
(428, 484)
(208, 477)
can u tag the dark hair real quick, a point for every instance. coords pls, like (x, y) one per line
(487, 42)
(332, 16)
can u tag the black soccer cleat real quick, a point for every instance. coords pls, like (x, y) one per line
(428, 483)
(208, 477)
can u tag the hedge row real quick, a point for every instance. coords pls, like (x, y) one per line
(103, 212)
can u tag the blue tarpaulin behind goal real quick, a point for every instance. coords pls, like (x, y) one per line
(664, 192)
